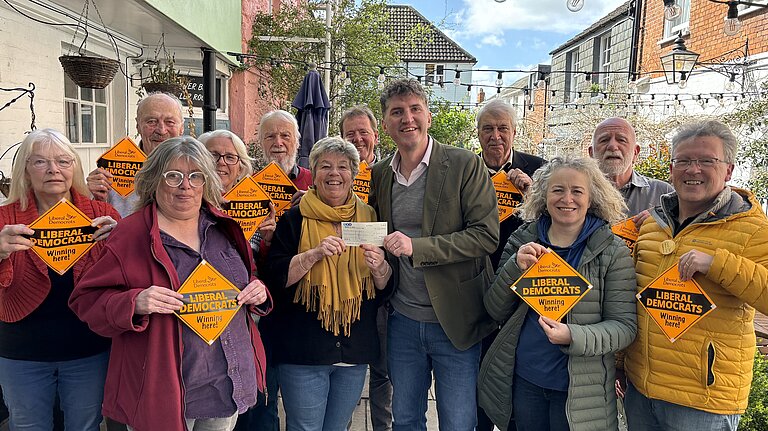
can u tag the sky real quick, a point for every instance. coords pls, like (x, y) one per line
(514, 34)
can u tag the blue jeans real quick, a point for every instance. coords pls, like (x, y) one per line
(415, 349)
(30, 387)
(537, 408)
(320, 397)
(645, 414)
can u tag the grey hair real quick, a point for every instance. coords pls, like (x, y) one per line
(151, 174)
(337, 145)
(402, 87)
(20, 185)
(156, 94)
(498, 107)
(246, 162)
(708, 128)
(282, 115)
(605, 201)
(358, 111)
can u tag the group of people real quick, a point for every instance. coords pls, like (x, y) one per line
(433, 303)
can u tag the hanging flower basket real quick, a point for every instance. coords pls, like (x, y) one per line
(89, 72)
(165, 87)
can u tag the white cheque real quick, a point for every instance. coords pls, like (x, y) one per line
(354, 233)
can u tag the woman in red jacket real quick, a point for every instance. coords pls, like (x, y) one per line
(163, 376)
(44, 347)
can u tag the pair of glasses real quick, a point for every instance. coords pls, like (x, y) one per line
(175, 178)
(41, 164)
(229, 159)
(705, 163)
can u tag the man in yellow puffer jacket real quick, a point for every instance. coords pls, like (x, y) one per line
(719, 236)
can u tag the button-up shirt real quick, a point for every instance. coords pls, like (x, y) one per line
(417, 172)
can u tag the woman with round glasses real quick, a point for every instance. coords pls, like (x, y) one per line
(44, 348)
(163, 376)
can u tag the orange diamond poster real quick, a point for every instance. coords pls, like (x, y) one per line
(209, 302)
(673, 304)
(122, 161)
(626, 230)
(509, 197)
(63, 234)
(248, 204)
(362, 184)
(277, 185)
(551, 287)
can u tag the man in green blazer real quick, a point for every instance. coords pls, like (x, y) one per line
(440, 206)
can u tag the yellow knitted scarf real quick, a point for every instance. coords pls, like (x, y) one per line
(334, 285)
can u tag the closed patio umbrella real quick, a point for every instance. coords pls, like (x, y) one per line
(313, 106)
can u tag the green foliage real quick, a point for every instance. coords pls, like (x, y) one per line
(358, 43)
(756, 416)
(750, 122)
(657, 164)
(452, 126)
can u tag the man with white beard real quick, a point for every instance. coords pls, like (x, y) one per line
(615, 147)
(279, 138)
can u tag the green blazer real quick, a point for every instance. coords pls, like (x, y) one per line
(459, 230)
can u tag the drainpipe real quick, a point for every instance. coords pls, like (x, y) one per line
(209, 90)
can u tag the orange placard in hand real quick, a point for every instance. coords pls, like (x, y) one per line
(248, 204)
(673, 304)
(551, 287)
(122, 161)
(508, 195)
(209, 302)
(626, 230)
(63, 235)
(362, 184)
(277, 185)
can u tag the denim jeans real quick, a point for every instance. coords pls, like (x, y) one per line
(538, 408)
(379, 386)
(415, 350)
(320, 397)
(263, 416)
(30, 387)
(645, 414)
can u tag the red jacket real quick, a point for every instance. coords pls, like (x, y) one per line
(144, 386)
(24, 282)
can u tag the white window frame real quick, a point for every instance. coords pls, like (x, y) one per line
(681, 23)
(79, 102)
(605, 59)
(572, 59)
(746, 9)
(433, 76)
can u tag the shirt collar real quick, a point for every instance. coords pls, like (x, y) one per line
(506, 166)
(395, 163)
(636, 180)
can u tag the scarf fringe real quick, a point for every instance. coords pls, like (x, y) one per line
(333, 318)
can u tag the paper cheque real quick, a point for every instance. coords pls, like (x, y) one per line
(358, 233)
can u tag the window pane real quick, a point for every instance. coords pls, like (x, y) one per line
(70, 88)
(86, 114)
(73, 129)
(101, 95)
(86, 94)
(101, 124)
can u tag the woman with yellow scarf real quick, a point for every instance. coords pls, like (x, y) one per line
(326, 295)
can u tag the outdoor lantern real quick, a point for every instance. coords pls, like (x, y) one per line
(679, 63)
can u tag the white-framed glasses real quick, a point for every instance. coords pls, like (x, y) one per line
(175, 178)
(41, 163)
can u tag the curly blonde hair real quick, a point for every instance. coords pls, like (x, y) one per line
(605, 201)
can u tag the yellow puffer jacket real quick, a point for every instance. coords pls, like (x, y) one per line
(710, 366)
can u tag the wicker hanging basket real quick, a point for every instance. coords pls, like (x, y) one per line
(164, 87)
(89, 72)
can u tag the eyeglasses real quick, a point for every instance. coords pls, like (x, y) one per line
(61, 162)
(175, 178)
(229, 159)
(705, 163)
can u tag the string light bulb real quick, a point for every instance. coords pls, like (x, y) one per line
(457, 78)
(381, 77)
(732, 25)
(499, 79)
(574, 5)
(683, 80)
(671, 10)
(541, 84)
(730, 84)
